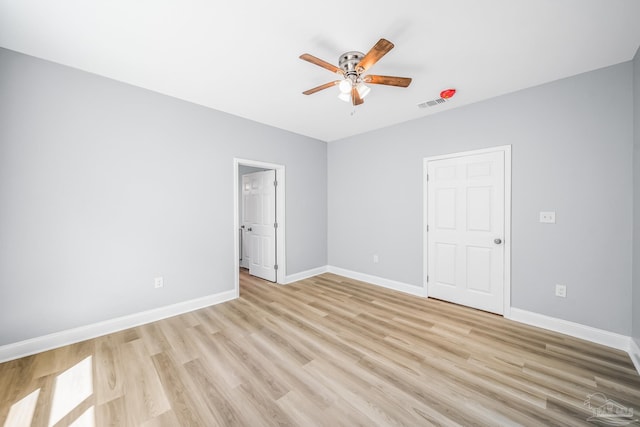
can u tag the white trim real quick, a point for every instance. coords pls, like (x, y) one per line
(506, 149)
(634, 353)
(281, 273)
(507, 231)
(380, 281)
(577, 330)
(305, 274)
(82, 333)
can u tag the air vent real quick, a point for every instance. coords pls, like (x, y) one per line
(432, 103)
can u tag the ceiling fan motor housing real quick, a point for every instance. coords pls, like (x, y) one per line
(348, 63)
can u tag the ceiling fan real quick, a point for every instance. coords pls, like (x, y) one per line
(351, 67)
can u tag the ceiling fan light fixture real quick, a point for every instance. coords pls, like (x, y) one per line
(345, 86)
(346, 97)
(363, 90)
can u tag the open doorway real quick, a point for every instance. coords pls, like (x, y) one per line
(259, 220)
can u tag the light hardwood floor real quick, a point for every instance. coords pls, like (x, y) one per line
(325, 351)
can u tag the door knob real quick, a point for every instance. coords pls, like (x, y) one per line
(497, 241)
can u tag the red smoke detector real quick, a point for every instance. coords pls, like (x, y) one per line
(447, 93)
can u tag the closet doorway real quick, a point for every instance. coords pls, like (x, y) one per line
(467, 227)
(259, 219)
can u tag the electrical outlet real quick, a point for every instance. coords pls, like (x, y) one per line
(158, 282)
(561, 291)
(376, 259)
(548, 217)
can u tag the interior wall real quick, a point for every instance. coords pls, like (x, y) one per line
(572, 143)
(636, 198)
(104, 186)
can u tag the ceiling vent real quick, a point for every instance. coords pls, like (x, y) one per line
(432, 103)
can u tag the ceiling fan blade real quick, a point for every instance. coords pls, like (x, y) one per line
(321, 87)
(355, 97)
(387, 80)
(378, 51)
(321, 63)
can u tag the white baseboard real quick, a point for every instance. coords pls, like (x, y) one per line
(82, 333)
(599, 336)
(380, 281)
(634, 353)
(304, 274)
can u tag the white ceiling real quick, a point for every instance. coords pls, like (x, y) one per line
(241, 57)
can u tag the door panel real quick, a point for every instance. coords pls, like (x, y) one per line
(260, 217)
(445, 264)
(479, 201)
(479, 269)
(446, 208)
(466, 213)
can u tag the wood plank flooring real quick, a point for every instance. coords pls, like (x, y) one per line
(325, 351)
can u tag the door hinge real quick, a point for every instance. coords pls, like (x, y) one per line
(275, 183)
(275, 225)
(427, 279)
(427, 177)
(275, 267)
(427, 228)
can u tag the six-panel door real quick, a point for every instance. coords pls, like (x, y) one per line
(465, 203)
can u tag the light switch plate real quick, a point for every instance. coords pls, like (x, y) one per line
(548, 217)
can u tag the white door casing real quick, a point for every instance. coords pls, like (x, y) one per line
(281, 251)
(245, 222)
(260, 223)
(467, 228)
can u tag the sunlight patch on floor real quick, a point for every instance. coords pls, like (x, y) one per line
(72, 387)
(21, 412)
(87, 419)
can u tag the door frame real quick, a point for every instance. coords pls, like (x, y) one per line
(506, 149)
(280, 218)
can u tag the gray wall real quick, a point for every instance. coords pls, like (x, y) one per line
(572, 144)
(636, 198)
(104, 186)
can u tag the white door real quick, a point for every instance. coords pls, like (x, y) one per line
(466, 230)
(259, 220)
